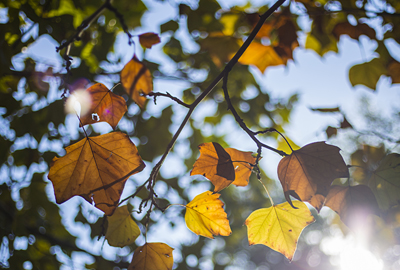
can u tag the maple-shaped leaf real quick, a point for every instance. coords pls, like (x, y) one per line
(136, 80)
(215, 164)
(242, 164)
(152, 256)
(385, 181)
(260, 56)
(307, 173)
(96, 168)
(147, 40)
(352, 203)
(279, 226)
(107, 106)
(353, 31)
(205, 216)
(122, 229)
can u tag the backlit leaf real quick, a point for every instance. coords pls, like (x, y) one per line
(385, 181)
(260, 56)
(136, 80)
(368, 73)
(107, 106)
(279, 226)
(205, 216)
(152, 256)
(308, 172)
(96, 168)
(149, 39)
(122, 229)
(352, 203)
(241, 162)
(215, 164)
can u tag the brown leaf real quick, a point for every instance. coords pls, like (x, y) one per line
(345, 123)
(331, 131)
(308, 172)
(352, 203)
(96, 168)
(149, 39)
(152, 256)
(108, 106)
(353, 31)
(326, 110)
(394, 71)
(136, 80)
(215, 164)
(260, 56)
(241, 162)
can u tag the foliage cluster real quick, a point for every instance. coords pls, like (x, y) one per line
(34, 95)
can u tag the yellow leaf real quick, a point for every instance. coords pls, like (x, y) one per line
(136, 80)
(108, 106)
(308, 173)
(152, 256)
(96, 168)
(121, 230)
(215, 164)
(260, 56)
(205, 215)
(353, 203)
(279, 226)
(241, 162)
(149, 39)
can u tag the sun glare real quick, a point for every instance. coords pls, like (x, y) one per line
(357, 258)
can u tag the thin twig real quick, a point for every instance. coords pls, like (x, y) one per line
(177, 100)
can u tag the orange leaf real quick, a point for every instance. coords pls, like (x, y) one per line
(241, 162)
(215, 164)
(108, 106)
(152, 256)
(136, 80)
(149, 39)
(260, 56)
(352, 203)
(96, 168)
(205, 216)
(308, 172)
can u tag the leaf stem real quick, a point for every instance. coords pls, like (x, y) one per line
(266, 190)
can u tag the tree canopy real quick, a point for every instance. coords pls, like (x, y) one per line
(103, 167)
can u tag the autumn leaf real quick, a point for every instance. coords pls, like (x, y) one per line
(241, 162)
(147, 40)
(205, 216)
(107, 106)
(215, 164)
(385, 181)
(308, 172)
(136, 80)
(326, 110)
(352, 203)
(152, 256)
(353, 31)
(279, 226)
(260, 56)
(96, 168)
(393, 70)
(122, 229)
(368, 73)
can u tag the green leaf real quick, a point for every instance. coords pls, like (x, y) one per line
(368, 73)
(122, 229)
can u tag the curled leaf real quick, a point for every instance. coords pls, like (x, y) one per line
(136, 80)
(122, 229)
(205, 215)
(96, 168)
(107, 106)
(215, 164)
(242, 164)
(279, 226)
(152, 256)
(308, 172)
